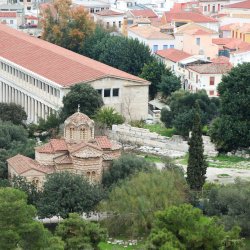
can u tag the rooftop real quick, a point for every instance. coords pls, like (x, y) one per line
(211, 68)
(7, 14)
(22, 164)
(240, 5)
(144, 13)
(223, 41)
(150, 32)
(221, 60)
(109, 13)
(53, 62)
(194, 27)
(184, 16)
(174, 55)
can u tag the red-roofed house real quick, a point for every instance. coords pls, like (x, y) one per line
(37, 74)
(110, 18)
(211, 7)
(10, 18)
(206, 76)
(78, 152)
(180, 18)
(31, 21)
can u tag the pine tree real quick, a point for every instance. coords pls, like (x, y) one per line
(197, 165)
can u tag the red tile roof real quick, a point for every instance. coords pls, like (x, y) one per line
(174, 55)
(187, 17)
(103, 142)
(211, 68)
(240, 5)
(237, 45)
(22, 164)
(221, 60)
(197, 32)
(54, 145)
(109, 13)
(223, 41)
(143, 13)
(31, 17)
(226, 27)
(53, 62)
(7, 14)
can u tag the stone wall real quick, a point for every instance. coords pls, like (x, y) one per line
(155, 143)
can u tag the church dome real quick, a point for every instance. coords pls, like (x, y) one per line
(78, 119)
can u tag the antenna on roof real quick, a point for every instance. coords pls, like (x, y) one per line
(78, 108)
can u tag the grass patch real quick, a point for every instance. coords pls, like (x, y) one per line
(160, 129)
(106, 246)
(223, 175)
(221, 161)
(153, 158)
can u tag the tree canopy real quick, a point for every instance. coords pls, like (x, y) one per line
(197, 166)
(230, 130)
(19, 229)
(65, 193)
(120, 52)
(133, 202)
(181, 114)
(85, 95)
(125, 166)
(231, 203)
(80, 234)
(12, 112)
(107, 116)
(169, 84)
(67, 26)
(186, 228)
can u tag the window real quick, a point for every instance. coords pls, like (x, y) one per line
(115, 92)
(197, 79)
(106, 92)
(211, 92)
(211, 82)
(198, 41)
(91, 10)
(107, 25)
(71, 133)
(171, 46)
(11, 22)
(82, 133)
(113, 24)
(28, 8)
(120, 24)
(155, 48)
(99, 91)
(205, 8)
(165, 46)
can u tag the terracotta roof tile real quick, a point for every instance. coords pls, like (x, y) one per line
(103, 142)
(78, 118)
(143, 13)
(54, 145)
(227, 27)
(22, 164)
(53, 62)
(188, 17)
(174, 55)
(150, 32)
(221, 60)
(211, 68)
(237, 45)
(109, 13)
(193, 27)
(7, 14)
(31, 17)
(240, 5)
(63, 159)
(223, 41)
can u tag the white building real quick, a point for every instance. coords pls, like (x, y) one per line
(92, 6)
(151, 36)
(110, 18)
(206, 76)
(37, 75)
(9, 18)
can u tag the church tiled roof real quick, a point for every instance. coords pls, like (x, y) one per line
(22, 164)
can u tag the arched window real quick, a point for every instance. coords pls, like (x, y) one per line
(82, 133)
(35, 181)
(71, 133)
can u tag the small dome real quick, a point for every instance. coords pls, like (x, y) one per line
(77, 119)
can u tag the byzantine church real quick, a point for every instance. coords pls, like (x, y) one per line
(79, 152)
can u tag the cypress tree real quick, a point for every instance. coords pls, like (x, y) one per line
(197, 165)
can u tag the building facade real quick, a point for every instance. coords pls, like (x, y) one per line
(37, 75)
(78, 152)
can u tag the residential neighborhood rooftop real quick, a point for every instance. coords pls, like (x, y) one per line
(239, 5)
(211, 68)
(144, 13)
(174, 55)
